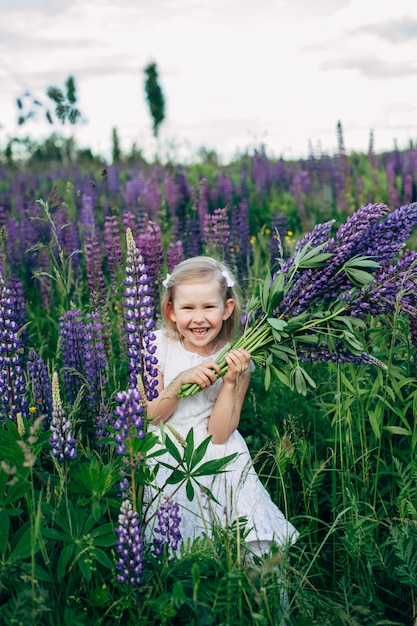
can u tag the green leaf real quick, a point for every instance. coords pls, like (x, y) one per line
(189, 489)
(277, 324)
(64, 558)
(364, 261)
(176, 477)
(24, 546)
(315, 261)
(375, 422)
(4, 531)
(200, 451)
(102, 558)
(282, 376)
(172, 449)
(189, 450)
(398, 430)
(359, 277)
(84, 563)
(264, 292)
(267, 377)
(215, 466)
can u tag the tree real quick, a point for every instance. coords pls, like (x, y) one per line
(154, 97)
(65, 104)
(116, 152)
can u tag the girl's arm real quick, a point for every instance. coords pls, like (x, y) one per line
(165, 404)
(225, 416)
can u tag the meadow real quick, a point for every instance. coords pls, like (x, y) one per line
(338, 458)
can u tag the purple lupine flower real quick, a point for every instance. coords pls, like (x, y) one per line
(94, 267)
(393, 196)
(12, 378)
(151, 197)
(364, 234)
(72, 337)
(112, 243)
(17, 294)
(95, 362)
(150, 246)
(339, 354)
(261, 171)
(166, 531)
(129, 546)
(102, 421)
(129, 221)
(175, 254)
(129, 415)
(62, 441)
(299, 199)
(192, 238)
(67, 233)
(139, 321)
(408, 188)
(41, 386)
(43, 275)
(203, 193)
(132, 192)
(87, 212)
(217, 232)
(171, 193)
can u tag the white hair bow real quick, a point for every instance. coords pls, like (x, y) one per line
(229, 280)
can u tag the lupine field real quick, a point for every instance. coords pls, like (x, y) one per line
(331, 423)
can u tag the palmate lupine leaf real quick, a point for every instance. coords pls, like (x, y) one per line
(317, 306)
(189, 466)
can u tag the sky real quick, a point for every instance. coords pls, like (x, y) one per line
(236, 74)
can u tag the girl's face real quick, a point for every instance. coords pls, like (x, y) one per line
(199, 310)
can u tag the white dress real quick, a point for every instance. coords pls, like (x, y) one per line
(239, 492)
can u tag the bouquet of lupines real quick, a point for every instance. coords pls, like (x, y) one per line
(315, 306)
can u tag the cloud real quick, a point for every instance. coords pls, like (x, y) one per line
(395, 31)
(371, 67)
(50, 7)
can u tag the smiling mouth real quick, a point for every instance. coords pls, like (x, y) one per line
(199, 331)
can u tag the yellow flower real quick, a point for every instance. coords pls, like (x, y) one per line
(32, 409)
(253, 239)
(290, 233)
(268, 231)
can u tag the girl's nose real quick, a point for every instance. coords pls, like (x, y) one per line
(198, 315)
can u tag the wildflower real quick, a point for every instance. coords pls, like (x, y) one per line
(95, 274)
(72, 335)
(139, 321)
(62, 441)
(129, 415)
(41, 386)
(166, 531)
(113, 245)
(129, 546)
(95, 362)
(12, 378)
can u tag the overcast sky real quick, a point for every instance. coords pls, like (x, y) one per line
(235, 73)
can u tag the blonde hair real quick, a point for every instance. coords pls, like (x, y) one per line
(202, 268)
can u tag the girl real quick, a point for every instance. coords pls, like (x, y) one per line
(201, 312)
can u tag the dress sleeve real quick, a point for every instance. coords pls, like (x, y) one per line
(161, 343)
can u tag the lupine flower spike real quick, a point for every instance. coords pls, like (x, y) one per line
(62, 441)
(129, 546)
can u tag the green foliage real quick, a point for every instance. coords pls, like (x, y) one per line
(154, 97)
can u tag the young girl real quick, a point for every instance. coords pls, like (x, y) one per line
(201, 312)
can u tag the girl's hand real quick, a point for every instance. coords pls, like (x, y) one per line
(204, 375)
(238, 362)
